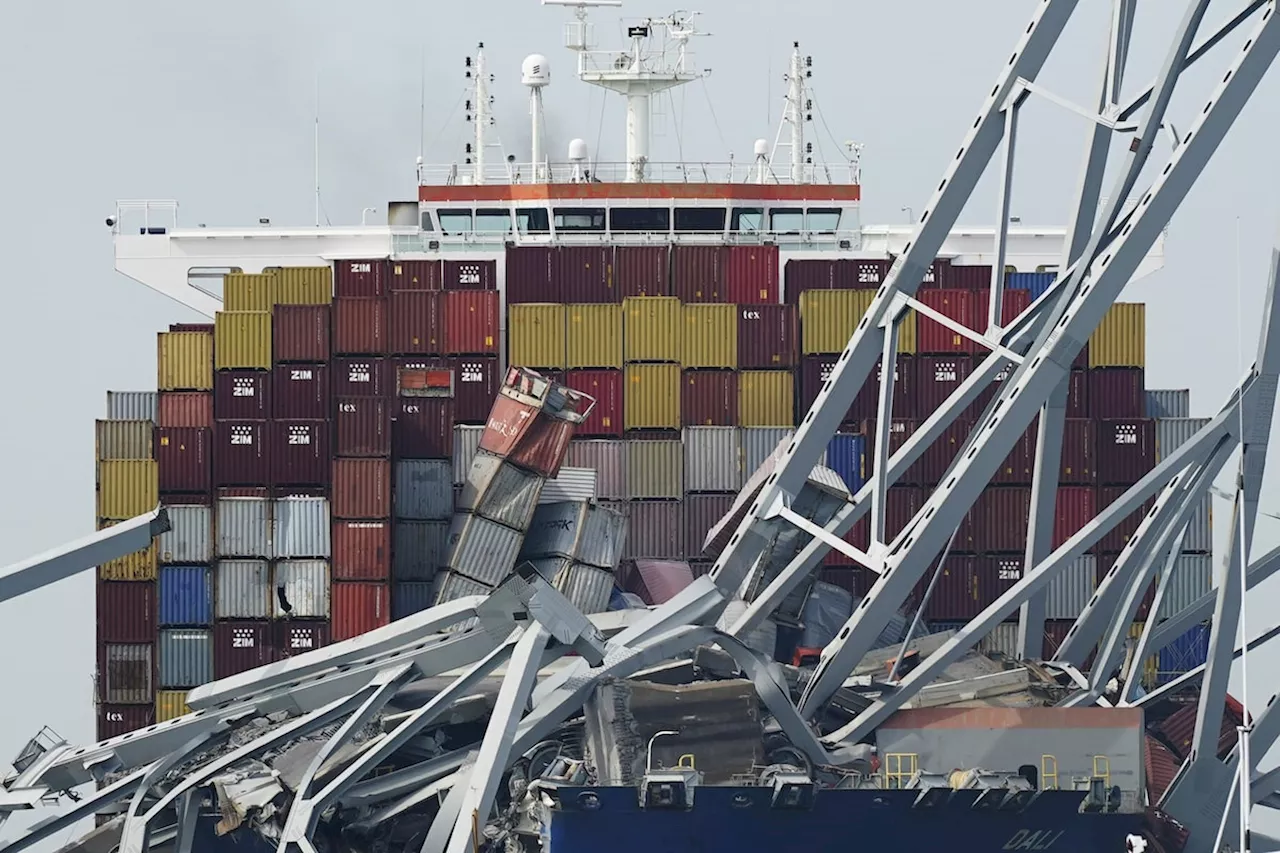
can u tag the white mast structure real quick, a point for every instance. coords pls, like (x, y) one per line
(795, 114)
(480, 111)
(536, 74)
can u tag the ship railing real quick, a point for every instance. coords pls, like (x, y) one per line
(494, 241)
(673, 61)
(148, 215)
(512, 173)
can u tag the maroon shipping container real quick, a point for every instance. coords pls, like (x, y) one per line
(641, 271)
(422, 428)
(583, 274)
(1116, 538)
(415, 323)
(1000, 519)
(116, 720)
(361, 550)
(529, 275)
(835, 557)
(959, 305)
(1013, 303)
(360, 326)
(470, 322)
(299, 636)
(300, 453)
(899, 431)
(475, 384)
(361, 488)
(866, 404)
(768, 337)
(184, 456)
(242, 395)
(709, 398)
(363, 377)
(1126, 450)
(654, 529)
(851, 579)
(470, 275)
(697, 273)
(185, 409)
(936, 275)
(359, 608)
(800, 275)
(240, 455)
(751, 275)
(938, 458)
(300, 333)
(414, 275)
(126, 612)
(955, 595)
(1019, 467)
(204, 498)
(362, 427)
(937, 378)
(1117, 392)
(861, 274)
(815, 370)
(970, 277)
(701, 513)
(1074, 508)
(994, 575)
(300, 392)
(605, 420)
(901, 505)
(1079, 451)
(357, 278)
(240, 646)
(1077, 392)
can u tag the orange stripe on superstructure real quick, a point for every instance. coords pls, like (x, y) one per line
(1015, 718)
(614, 191)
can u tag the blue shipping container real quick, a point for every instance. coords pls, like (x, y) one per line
(844, 456)
(186, 596)
(410, 598)
(1036, 282)
(1183, 654)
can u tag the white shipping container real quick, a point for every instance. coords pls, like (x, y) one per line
(1069, 592)
(607, 458)
(576, 530)
(758, 443)
(1003, 639)
(244, 528)
(1193, 576)
(1168, 403)
(243, 589)
(571, 484)
(501, 492)
(587, 587)
(1199, 534)
(712, 459)
(482, 550)
(1172, 433)
(302, 528)
(466, 444)
(304, 584)
(132, 405)
(190, 536)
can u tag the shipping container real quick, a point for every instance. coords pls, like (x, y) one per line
(131, 405)
(244, 291)
(244, 527)
(301, 527)
(571, 484)
(1069, 592)
(422, 428)
(170, 705)
(536, 335)
(712, 459)
(1184, 654)
(968, 276)
(360, 278)
(800, 275)
(815, 370)
(299, 637)
(1075, 506)
(605, 386)
(414, 323)
(751, 275)
(1193, 576)
(1035, 283)
(242, 589)
(710, 336)
(125, 674)
(301, 589)
(1167, 403)
(758, 443)
(470, 274)
(1079, 452)
(449, 586)
(481, 549)
(184, 361)
(361, 488)
(301, 285)
(585, 587)
(362, 426)
(185, 657)
(475, 384)
(768, 337)
(408, 598)
(651, 398)
(499, 491)
(654, 529)
(240, 646)
(126, 611)
(937, 378)
(641, 271)
(938, 458)
(1172, 433)
(186, 596)
(655, 469)
(240, 453)
(828, 319)
(1126, 450)
(583, 274)
(138, 566)
(127, 488)
(1114, 541)
(423, 490)
(1116, 392)
(652, 329)
(300, 333)
(766, 398)
(242, 340)
(1001, 519)
(528, 276)
(955, 595)
(899, 431)
(362, 377)
(580, 531)
(1121, 338)
(466, 444)
(901, 504)
(846, 454)
(709, 398)
(470, 322)
(184, 459)
(1013, 303)
(360, 326)
(185, 409)
(299, 453)
(697, 273)
(701, 513)
(1199, 531)
(415, 275)
(420, 549)
(242, 395)
(1018, 468)
(361, 550)
(961, 306)
(299, 392)
(593, 336)
(123, 439)
(607, 459)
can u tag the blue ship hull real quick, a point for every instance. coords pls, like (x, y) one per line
(840, 822)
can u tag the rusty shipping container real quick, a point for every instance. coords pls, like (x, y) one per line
(641, 271)
(414, 325)
(766, 398)
(654, 529)
(605, 420)
(528, 276)
(709, 398)
(470, 322)
(701, 513)
(295, 638)
(651, 399)
(361, 550)
(300, 392)
(241, 645)
(362, 427)
(125, 673)
(184, 458)
(469, 275)
(1000, 521)
(768, 337)
(123, 439)
(607, 459)
(185, 409)
(959, 305)
(652, 329)
(937, 377)
(419, 549)
(536, 336)
(360, 278)
(1079, 452)
(751, 275)
(116, 720)
(362, 377)
(1126, 450)
(710, 336)
(1117, 392)
(422, 428)
(583, 274)
(300, 333)
(242, 395)
(697, 273)
(414, 275)
(361, 488)
(899, 431)
(299, 452)
(184, 361)
(126, 611)
(655, 469)
(360, 326)
(240, 453)
(1074, 508)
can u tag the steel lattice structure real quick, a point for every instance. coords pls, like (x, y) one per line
(527, 626)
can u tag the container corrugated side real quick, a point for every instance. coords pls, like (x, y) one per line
(701, 513)
(359, 608)
(247, 291)
(766, 398)
(501, 492)
(652, 328)
(593, 336)
(171, 704)
(481, 549)
(642, 271)
(580, 531)
(184, 361)
(190, 535)
(710, 336)
(651, 398)
(124, 439)
(242, 339)
(655, 469)
(419, 550)
(1172, 433)
(571, 484)
(185, 657)
(361, 488)
(244, 528)
(138, 566)
(302, 285)
(536, 335)
(408, 598)
(304, 585)
(654, 529)
(1168, 403)
(243, 589)
(1192, 578)
(423, 489)
(586, 587)
(758, 443)
(1199, 533)
(1069, 592)
(185, 409)
(466, 444)
(133, 405)
(127, 488)
(607, 458)
(828, 318)
(1121, 338)
(712, 459)
(125, 675)
(361, 550)
(186, 596)
(126, 612)
(240, 646)
(301, 527)
(1184, 654)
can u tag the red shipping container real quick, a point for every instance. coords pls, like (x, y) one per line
(300, 333)
(970, 277)
(185, 409)
(298, 636)
(937, 378)
(583, 274)
(1126, 450)
(300, 453)
(184, 457)
(861, 274)
(938, 458)
(697, 273)
(242, 395)
(544, 446)
(1074, 508)
(709, 398)
(955, 595)
(510, 421)
(415, 322)
(768, 337)
(701, 513)
(470, 322)
(362, 427)
(361, 550)
(1079, 451)
(471, 274)
(1019, 467)
(1114, 540)
(363, 377)
(800, 275)
(240, 455)
(937, 275)
(361, 488)
(422, 428)
(529, 275)
(300, 392)
(900, 506)
(1117, 392)
(240, 646)
(959, 305)
(117, 720)
(899, 431)
(126, 611)
(866, 404)
(360, 278)
(359, 608)
(1000, 519)
(751, 275)
(641, 271)
(360, 326)
(1013, 303)
(415, 275)
(605, 420)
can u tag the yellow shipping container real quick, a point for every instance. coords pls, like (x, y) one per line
(710, 335)
(536, 335)
(301, 286)
(1121, 338)
(242, 339)
(138, 566)
(171, 704)
(248, 291)
(1150, 666)
(651, 399)
(127, 488)
(123, 439)
(766, 398)
(593, 336)
(652, 328)
(828, 319)
(184, 361)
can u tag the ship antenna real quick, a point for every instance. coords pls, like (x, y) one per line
(316, 146)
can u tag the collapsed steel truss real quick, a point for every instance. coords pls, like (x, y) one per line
(526, 625)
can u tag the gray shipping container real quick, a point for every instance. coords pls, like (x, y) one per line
(577, 530)
(243, 589)
(608, 459)
(826, 610)
(424, 490)
(1003, 639)
(587, 587)
(466, 443)
(186, 657)
(655, 529)
(449, 586)
(190, 536)
(1193, 576)
(124, 439)
(1168, 403)
(655, 469)
(500, 492)
(305, 586)
(1199, 536)
(419, 549)
(1069, 592)
(132, 406)
(571, 484)
(127, 678)
(482, 550)
(302, 528)
(757, 444)
(244, 528)
(712, 459)
(1172, 433)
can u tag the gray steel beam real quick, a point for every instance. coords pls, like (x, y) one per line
(1133, 678)
(85, 808)
(1194, 675)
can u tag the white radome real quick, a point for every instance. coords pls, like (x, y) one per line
(577, 150)
(535, 70)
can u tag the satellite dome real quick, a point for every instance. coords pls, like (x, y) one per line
(577, 150)
(535, 70)
(762, 148)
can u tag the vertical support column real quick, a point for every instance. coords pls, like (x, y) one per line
(884, 429)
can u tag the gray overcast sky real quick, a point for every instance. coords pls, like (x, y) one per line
(213, 105)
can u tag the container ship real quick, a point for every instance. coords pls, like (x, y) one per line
(578, 372)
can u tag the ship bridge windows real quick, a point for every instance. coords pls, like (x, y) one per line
(455, 221)
(640, 219)
(428, 224)
(786, 220)
(709, 220)
(494, 220)
(747, 219)
(822, 220)
(533, 220)
(578, 218)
